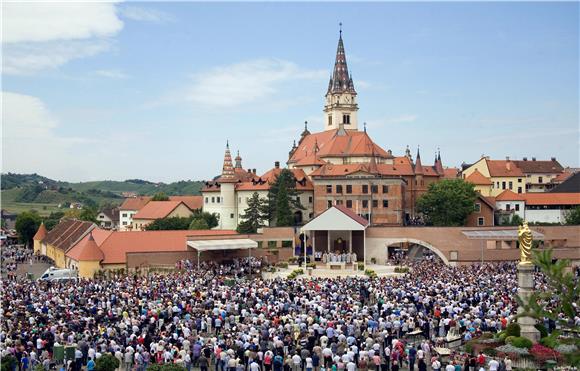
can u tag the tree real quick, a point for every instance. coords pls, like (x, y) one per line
(53, 219)
(564, 289)
(160, 196)
(573, 216)
(198, 224)
(211, 219)
(88, 214)
(254, 215)
(283, 199)
(448, 202)
(173, 223)
(514, 220)
(107, 362)
(27, 224)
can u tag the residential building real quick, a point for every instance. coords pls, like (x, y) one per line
(483, 216)
(503, 174)
(536, 207)
(154, 210)
(539, 173)
(108, 218)
(133, 204)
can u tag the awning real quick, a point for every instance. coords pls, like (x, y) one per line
(217, 245)
(505, 234)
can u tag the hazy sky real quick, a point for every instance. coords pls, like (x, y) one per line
(153, 90)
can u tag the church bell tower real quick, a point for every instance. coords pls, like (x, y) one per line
(341, 106)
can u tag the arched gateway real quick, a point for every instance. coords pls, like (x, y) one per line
(388, 242)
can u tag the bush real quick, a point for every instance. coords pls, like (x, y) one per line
(550, 341)
(282, 265)
(9, 363)
(361, 266)
(513, 329)
(520, 342)
(311, 265)
(107, 363)
(371, 273)
(295, 273)
(401, 269)
(172, 367)
(502, 336)
(542, 329)
(154, 367)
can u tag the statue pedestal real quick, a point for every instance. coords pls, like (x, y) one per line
(526, 287)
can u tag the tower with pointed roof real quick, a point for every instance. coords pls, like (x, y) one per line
(227, 181)
(340, 108)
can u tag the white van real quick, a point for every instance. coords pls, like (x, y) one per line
(53, 274)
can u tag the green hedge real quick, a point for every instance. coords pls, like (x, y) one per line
(295, 273)
(513, 329)
(519, 342)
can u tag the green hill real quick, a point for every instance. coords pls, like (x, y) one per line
(32, 191)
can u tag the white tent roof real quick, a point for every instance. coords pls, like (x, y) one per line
(215, 245)
(502, 234)
(337, 219)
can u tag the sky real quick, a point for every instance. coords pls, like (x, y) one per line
(94, 91)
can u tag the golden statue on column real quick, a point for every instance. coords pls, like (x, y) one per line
(525, 239)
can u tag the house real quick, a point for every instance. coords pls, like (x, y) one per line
(481, 183)
(503, 174)
(56, 242)
(154, 210)
(570, 183)
(108, 218)
(539, 173)
(132, 205)
(536, 207)
(483, 216)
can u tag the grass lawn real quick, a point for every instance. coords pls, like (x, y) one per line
(18, 207)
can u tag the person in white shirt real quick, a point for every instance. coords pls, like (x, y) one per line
(450, 367)
(493, 365)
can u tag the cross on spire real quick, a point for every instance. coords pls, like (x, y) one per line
(340, 28)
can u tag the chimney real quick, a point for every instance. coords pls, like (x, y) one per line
(254, 171)
(508, 166)
(525, 159)
(507, 158)
(533, 159)
(277, 164)
(553, 158)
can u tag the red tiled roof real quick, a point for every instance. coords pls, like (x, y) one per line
(450, 173)
(353, 143)
(509, 195)
(40, 233)
(311, 159)
(118, 244)
(540, 167)
(489, 201)
(401, 166)
(562, 177)
(503, 168)
(193, 202)
(66, 233)
(263, 182)
(478, 178)
(552, 198)
(88, 249)
(135, 203)
(351, 214)
(157, 209)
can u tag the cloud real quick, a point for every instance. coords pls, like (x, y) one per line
(112, 74)
(28, 58)
(138, 13)
(40, 22)
(39, 36)
(245, 82)
(28, 123)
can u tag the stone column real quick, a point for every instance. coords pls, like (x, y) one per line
(526, 287)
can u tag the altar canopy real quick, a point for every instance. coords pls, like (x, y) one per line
(337, 218)
(331, 235)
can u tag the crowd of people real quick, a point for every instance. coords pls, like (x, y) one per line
(196, 319)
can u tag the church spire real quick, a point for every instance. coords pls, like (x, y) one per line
(238, 161)
(438, 163)
(418, 165)
(228, 174)
(340, 81)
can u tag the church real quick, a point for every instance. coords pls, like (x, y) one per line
(340, 165)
